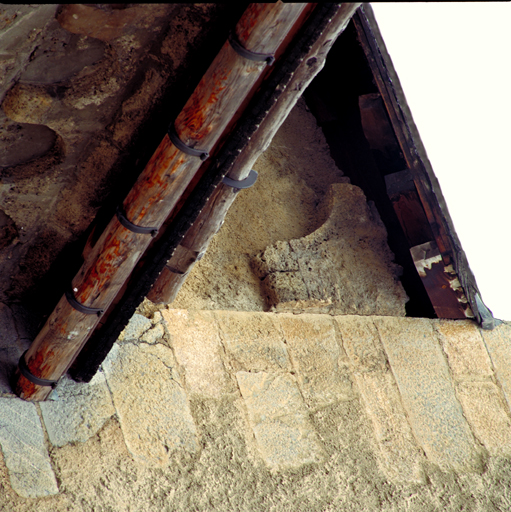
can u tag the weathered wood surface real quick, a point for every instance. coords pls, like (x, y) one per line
(108, 264)
(212, 216)
(426, 184)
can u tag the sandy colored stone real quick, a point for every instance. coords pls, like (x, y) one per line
(150, 401)
(23, 445)
(362, 343)
(252, 341)
(400, 457)
(319, 361)
(76, 411)
(279, 420)
(427, 391)
(195, 340)
(464, 347)
(137, 326)
(346, 262)
(485, 410)
(498, 343)
(153, 335)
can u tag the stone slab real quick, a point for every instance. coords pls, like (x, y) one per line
(279, 419)
(77, 411)
(195, 339)
(136, 327)
(320, 363)
(400, 457)
(425, 384)
(24, 449)
(498, 344)
(463, 344)
(485, 410)
(252, 341)
(362, 343)
(150, 401)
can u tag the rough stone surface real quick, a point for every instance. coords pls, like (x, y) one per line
(24, 449)
(362, 343)
(279, 420)
(486, 413)
(136, 327)
(424, 381)
(252, 341)
(345, 264)
(400, 457)
(195, 340)
(150, 401)
(498, 343)
(77, 411)
(319, 361)
(465, 350)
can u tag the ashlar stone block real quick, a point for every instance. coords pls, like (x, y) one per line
(252, 341)
(498, 344)
(279, 419)
(78, 410)
(320, 363)
(422, 375)
(150, 401)
(24, 449)
(195, 340)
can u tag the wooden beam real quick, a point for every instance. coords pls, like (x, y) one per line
(218, 96)
(198, 237)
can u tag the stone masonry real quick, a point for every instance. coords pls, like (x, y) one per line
(434, 391)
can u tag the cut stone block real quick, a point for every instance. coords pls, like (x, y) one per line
(400, 457)
(278, 417)
(425, 384)
(150, 401)
(464, 346)
(345, 265)
(23, 446)
(485, 411)
(498, 343)
(252, 341)
(320, 362)
(196, 343)
(137, 326)
(362, 343)
(78, 411)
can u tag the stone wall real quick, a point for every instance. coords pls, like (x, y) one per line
(226, 410)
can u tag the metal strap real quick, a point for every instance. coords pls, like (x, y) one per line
(133, 227)
(247, 54)
(80, 307)
(238, 185)
(22, 365)
(174, 138)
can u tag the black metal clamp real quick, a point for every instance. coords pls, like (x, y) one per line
(241, 184)
(133, 227)
(23, 367)
(80, 307)
(174, 138)
(247, 54)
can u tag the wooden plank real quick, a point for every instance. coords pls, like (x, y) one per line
(441, 282)
(108, 264)
(408, 207)
(212, 216)
(427, 186)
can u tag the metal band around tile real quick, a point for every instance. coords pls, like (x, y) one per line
(22, 365)
(133, 227)
(247, 54)
(174, 138)
(238, 185)
(80, 307)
